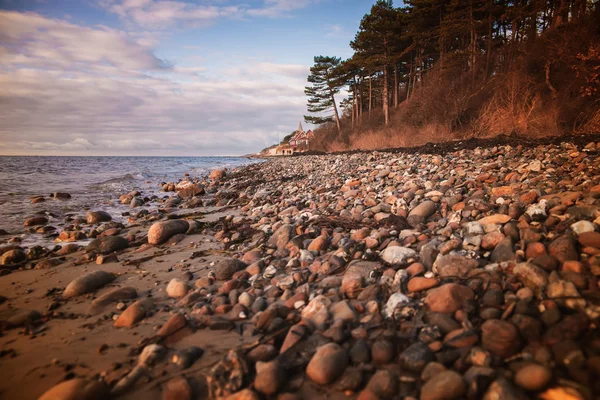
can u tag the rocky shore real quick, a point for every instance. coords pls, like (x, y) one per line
(465, 273)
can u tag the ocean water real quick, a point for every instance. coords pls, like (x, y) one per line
(93, 182)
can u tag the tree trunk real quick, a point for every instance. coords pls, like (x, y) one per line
(353, 103)
(488, 56)
(385, 95)
(360, 100)
(370, 95)
(396, 88)
(337, 116)
(408, 83)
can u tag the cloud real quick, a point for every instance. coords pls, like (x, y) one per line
(71, 89)
(166, 13)
(334, 30)
(29, 39)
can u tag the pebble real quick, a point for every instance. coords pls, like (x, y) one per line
(533, 377)
(447, 385)
(327, 364)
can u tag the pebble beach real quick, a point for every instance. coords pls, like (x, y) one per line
(450, 272)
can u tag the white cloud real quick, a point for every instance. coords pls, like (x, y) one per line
(165, 13)
(71, 89)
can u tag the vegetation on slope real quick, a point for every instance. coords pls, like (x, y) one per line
(439, 70)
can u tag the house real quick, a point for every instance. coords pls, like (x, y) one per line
(301, 138)
(298, 143)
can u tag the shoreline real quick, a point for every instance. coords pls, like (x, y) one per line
(459, 272)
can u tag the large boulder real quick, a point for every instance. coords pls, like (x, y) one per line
(107, 244)
(162, 231)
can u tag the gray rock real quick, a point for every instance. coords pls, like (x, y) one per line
(415, 357)
(96, 217)
(225, 269)
(107, 244)
(397, 255)
(504, 251)
(454, 265)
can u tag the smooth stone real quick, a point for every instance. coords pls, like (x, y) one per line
(162, 231)
(580, 227)
(415, 357)
(418, 284)
(12, 257)
(270, 377)
(134, 313)
(96, 217)
(177, 288)
(420, 213)
(501, 338)
(107, 244)
(454, 265)
(77, 389)
(36, 221)
(327, 364)
(356, 276)
(225, 269)
(177, 388)
(282, 236)
(87, 283)
(446, 385)
(448, 298)
(395, 300)
(503, 251)
(531, 275)
(533, 377)
(383, 384)
(563, 249)
(590, 239)
(397, 255)
(496, 219)
(119, 294)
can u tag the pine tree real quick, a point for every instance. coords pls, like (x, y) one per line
(375, 43)
(325, 84)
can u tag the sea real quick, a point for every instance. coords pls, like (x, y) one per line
(94, 183)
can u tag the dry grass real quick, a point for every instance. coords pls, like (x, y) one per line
(516, 108)
(525, 99)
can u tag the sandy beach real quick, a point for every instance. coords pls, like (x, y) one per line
(462, 271)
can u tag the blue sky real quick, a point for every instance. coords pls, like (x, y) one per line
(161, 77)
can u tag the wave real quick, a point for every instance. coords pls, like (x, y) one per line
(122, 179)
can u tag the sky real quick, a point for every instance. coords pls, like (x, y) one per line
(161, 77)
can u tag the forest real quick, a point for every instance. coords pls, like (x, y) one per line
(438, 70)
